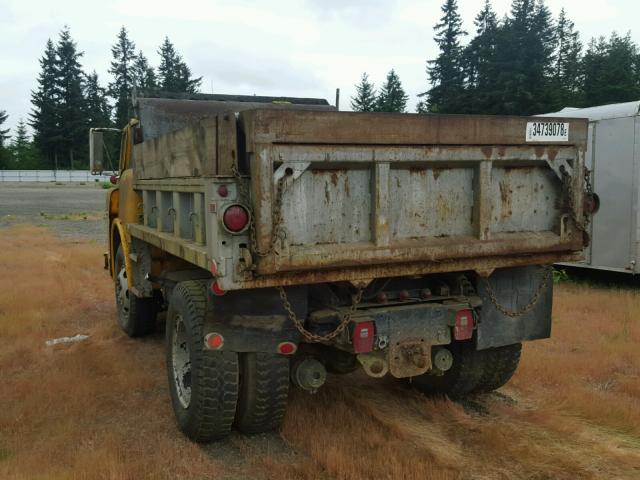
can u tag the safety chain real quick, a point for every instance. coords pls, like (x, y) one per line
(278, 232)
(312, 337)
(548, 275)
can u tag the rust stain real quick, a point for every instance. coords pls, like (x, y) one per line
(487, 151)
(539, 151)
(334, 178)
(436, 173)
(501, 151)
(326, 192)
(347, 190)
(505, 199)
(552, 153)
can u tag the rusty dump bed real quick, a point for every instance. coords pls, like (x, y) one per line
(355, 196)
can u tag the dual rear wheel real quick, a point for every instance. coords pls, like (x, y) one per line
(213, 391)
(473, 371)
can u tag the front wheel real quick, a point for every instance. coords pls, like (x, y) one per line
(136, 316)
(203, 384)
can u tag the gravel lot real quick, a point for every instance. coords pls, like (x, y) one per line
(69, 210)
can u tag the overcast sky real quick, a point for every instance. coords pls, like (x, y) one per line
(295, 48)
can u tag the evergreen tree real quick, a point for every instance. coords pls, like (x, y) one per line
(567, 69)
(365, 98)
(122, 69)
(97, 109)
(173, 73)
(143, 74)
(3, 138)
(621, 74)
(480, 63)
(611, 71)
(525, 59)
(71, 104)
(445, 72)
(23, 154)
(392, 97)
(45, 116)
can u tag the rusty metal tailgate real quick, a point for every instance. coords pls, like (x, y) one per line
(371, 189)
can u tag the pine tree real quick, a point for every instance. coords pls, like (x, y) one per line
(479, 63)
(567, 69)
(71, 103)
(525, 57)
(23, 154)
(122, 70)
(173, 73)
(45, 116)
(143, 74)
(594, 65)
(3, 138)
(621, 74)
(392, 97)
(97, 109)
(445, 72)
(611, 71)
(365, 99)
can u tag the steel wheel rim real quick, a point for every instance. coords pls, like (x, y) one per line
(122, 293)
(181, 362)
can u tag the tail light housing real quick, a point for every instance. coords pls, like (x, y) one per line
(235, 218)
(463, 327)
(362, 338)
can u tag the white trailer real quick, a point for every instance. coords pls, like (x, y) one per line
(613, 156)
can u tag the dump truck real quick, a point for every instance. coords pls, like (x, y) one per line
(284, 239)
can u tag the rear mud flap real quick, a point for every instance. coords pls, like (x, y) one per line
(514, 289)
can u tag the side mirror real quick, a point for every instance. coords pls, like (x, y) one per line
(96, 151)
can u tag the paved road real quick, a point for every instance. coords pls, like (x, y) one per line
(70, 210)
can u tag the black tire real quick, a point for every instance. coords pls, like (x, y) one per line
(460, 379)
(264, 388)
(499, 366)
(203, 385)
(136, 316)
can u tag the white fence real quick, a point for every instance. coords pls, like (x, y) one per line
(65, 176)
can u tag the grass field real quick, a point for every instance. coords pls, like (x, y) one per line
(99, 408)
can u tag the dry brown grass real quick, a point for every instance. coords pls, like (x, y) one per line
(99, 408)
(96, 409)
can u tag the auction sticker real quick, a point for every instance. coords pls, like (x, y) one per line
(547, 132)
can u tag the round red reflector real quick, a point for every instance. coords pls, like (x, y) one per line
(223, 191)
(215, 288)
(214, 341)
(287, 348)
(113, 179)
(235, 218)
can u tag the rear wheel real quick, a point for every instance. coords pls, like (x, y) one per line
(463, 376)
(499, 366)
(203, 384)
(136, 316)
(264, 387)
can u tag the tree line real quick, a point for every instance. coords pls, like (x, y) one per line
(525, 63)
(68, 101)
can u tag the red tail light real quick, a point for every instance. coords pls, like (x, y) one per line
(214, 341)
(235, 218)
(363, 336)
(287, 348)
(463, 329)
